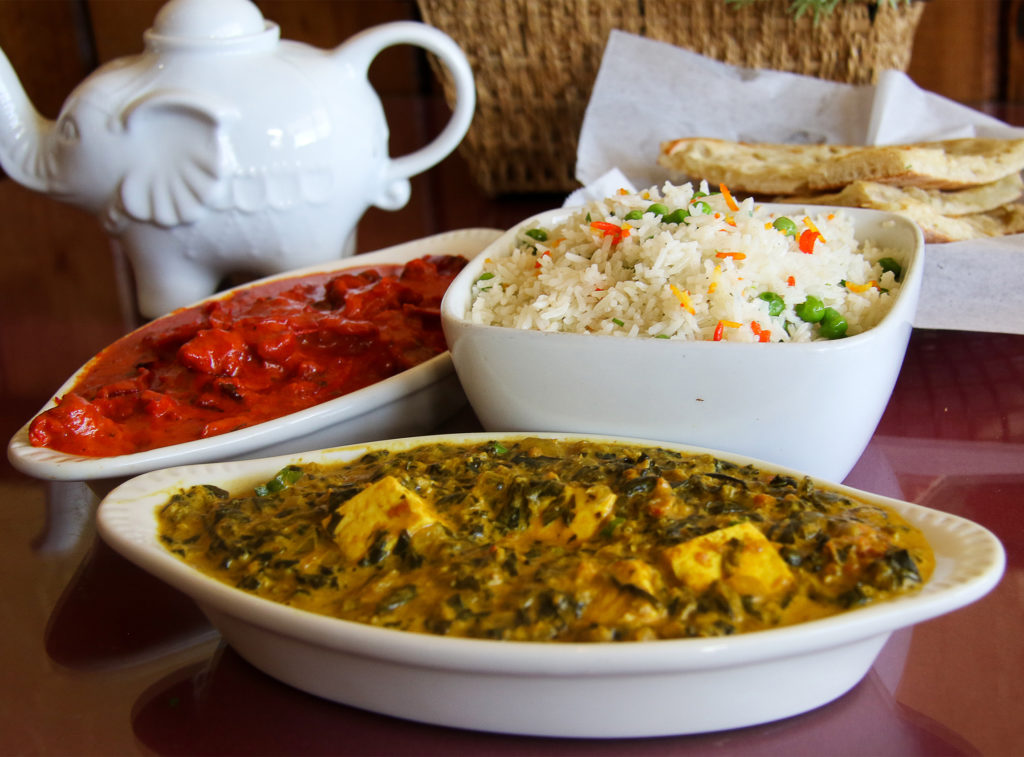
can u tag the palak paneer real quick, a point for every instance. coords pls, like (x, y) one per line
(539, 539)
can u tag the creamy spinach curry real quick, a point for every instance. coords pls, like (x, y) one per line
(549, 540)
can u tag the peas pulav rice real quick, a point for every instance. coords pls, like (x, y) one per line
(684, 263)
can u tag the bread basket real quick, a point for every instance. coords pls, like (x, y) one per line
(535, 64)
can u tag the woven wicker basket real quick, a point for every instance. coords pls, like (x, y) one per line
(535, 64)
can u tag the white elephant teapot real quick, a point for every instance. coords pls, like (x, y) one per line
(221, 148)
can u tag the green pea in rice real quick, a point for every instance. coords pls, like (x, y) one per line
(697, 279)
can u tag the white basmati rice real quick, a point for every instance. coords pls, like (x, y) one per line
(711, 276)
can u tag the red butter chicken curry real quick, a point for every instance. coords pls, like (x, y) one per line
(255, 355)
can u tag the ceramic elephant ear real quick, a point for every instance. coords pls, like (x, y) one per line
(394, 196)
(183, 156)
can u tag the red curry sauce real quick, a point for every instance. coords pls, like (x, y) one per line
(256, 355)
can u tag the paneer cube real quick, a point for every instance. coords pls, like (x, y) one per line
(590, 507)
(593, 505)
(638, 574)
(739, 555)
(606, 604)
(385, 506)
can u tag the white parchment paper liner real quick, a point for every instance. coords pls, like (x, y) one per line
(648, 92)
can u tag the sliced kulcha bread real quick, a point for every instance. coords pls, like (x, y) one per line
(954, 190)
(746, 167)
(944, 216)
(776, 169)
(952, 164)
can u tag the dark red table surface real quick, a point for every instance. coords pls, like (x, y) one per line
(99, 658)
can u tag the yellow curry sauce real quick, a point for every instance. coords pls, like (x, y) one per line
(547, 540)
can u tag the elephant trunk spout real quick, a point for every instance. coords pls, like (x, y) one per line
(22, 133)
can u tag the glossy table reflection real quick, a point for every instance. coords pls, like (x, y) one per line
(99, 658)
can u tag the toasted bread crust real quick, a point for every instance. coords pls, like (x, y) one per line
(954, 189)
(745, 167)
(775, 169)
(984, 211)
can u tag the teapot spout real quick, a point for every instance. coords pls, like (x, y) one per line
(23, 131)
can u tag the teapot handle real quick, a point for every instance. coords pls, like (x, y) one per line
(366, 45)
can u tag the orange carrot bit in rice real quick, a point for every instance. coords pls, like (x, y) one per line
(810, 225)
(763, 335)
(861, 287)
(715, 276)
(720, 329)
(733, 255)
(729, 201)
(684, 299)
(791, 281)
(617, 233)
(542, 255)
(807, 239)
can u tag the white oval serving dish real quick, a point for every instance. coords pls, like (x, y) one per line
(411, 402)
(812, 406)
(595, 690)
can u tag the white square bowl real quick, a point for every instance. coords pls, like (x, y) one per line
(812, 406)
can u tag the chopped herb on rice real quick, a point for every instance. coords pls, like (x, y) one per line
(679, 263)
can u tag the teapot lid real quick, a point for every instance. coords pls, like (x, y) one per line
(196, 24)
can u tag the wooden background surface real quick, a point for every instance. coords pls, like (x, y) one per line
(969, 50)
(56, 268)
